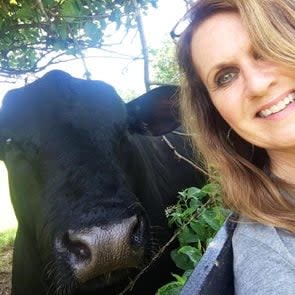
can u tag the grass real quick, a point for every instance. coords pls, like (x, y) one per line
(6, 253)
(7, 233)
(6, 238)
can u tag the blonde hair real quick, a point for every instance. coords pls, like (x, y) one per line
(247, 187)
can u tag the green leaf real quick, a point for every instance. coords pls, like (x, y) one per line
(59, 45)
(91, 31)
(200, 230)
(181, 260)
(189, 211)
(193, 191)
(154, 3)
(192, 253)
(209, 217)
(172, 288)
(180, 279)
(116, 17)
(24, 13)
(63, 31)
(187, 236)
(195, 204)
(211, 188)
(70, 10)
(220, 215)
(48, 2)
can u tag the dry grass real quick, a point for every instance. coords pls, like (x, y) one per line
(5, 270)
(6, 250)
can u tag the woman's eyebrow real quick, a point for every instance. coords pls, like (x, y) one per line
(219, 66)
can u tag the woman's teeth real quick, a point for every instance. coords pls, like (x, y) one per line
(279, 106)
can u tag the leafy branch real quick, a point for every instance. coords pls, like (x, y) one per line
(198, 215)
(64, 27)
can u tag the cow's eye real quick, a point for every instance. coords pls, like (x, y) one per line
(9, 143)
(12, 149)
(23, 150)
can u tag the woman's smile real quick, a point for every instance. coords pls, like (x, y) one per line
(277, 106)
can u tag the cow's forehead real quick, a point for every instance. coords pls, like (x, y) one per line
(58, 100)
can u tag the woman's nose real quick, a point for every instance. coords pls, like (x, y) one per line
(259, 79)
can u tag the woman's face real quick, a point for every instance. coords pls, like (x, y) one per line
(253, 95)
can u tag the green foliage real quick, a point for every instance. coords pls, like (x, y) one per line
(7, 238)
(173, 288)
(32, 30)
(128, 94)
(164, 65)
(198, 215)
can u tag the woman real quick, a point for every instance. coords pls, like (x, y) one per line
(238, 63)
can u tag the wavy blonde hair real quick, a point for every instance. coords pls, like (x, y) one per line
(242, 171)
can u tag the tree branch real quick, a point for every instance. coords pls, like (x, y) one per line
(144, 47)
(41, 7)
(181, 157)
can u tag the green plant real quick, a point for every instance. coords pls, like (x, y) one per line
(7, 238)
(164, 65)
(198, 215)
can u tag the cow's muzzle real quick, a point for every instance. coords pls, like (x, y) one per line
(100, 250)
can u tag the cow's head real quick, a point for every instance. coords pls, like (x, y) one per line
(76, 173)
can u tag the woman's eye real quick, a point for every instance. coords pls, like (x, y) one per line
(225, 76)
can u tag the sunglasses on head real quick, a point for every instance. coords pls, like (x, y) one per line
(180, 26)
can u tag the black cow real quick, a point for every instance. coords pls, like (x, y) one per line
(89, 185)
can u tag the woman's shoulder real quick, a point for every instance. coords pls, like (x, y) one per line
(264, 259)
(249, 235)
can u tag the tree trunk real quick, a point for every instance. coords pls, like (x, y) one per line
(144, 47)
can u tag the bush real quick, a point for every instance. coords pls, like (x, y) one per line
(198, 215)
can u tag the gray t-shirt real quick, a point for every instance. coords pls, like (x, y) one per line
(264, 260)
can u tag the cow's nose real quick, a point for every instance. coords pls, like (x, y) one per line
(137, 233)
(77, 247)
(102, 249)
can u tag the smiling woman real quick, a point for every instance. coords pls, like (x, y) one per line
(238, 64)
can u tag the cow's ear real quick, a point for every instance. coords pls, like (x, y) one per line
(155, 112)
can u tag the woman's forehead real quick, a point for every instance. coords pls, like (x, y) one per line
(217, 40)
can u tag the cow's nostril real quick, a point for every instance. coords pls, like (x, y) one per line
(76, 247)
(137, 233)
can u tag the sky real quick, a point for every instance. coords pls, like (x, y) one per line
(123, 74)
